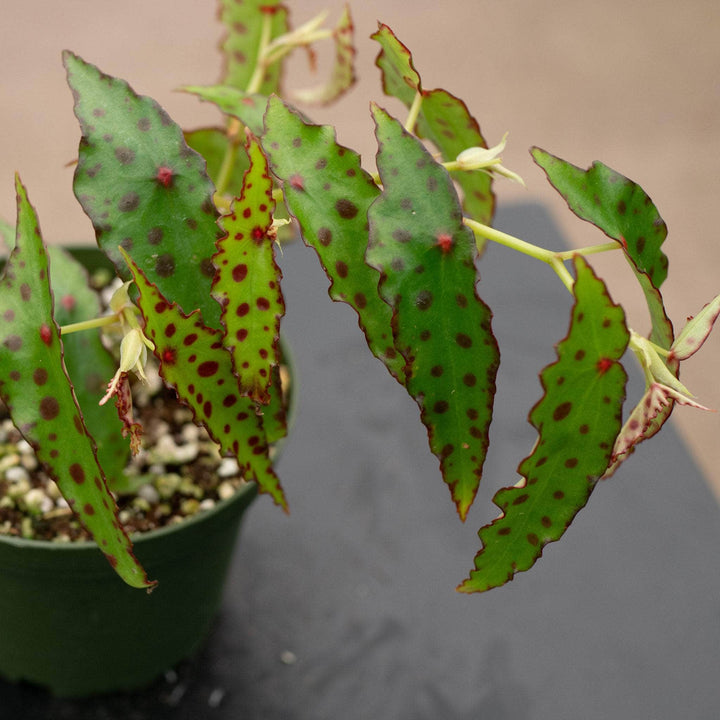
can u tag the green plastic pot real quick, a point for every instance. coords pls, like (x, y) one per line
(70, 624)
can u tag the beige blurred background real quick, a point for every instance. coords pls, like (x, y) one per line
(634, 83)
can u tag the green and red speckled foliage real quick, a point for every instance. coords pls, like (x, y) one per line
(192, 220)
(249, 24)
(577, 420)
(426, 258)
(194, 360)
(247, 283)
(36, 389)
(143, 188)
(443, 119)
(328, 193)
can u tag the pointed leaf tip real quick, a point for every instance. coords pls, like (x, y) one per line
(578, 419)
(426, 259)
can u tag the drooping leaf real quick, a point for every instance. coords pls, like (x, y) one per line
(194, 362)
(329, 193)
(624, 212)
(616, 205)
(426, 257)
(245, 22)
(342, 76)
(577, 419)
(36, 389)
(444, 119)
(247, 284)
(89, 364)
(144, 189)
(212, 144)
(249, 109)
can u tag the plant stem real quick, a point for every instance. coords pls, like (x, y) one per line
(228, 162)
(234, 125)
(590, 250)
(414, 112)
(88, 324)
(258, 75)
(490, 233)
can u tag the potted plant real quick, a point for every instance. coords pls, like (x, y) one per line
(200, 291)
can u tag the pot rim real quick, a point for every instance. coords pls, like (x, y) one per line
(138, 538)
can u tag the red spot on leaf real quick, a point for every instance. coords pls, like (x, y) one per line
(169, 356)
(258, 233)
(297, 182)
(239, 272)
(207, 368)
(603, 365)
(45, 334)
(77, 473)
(164, 176)
(445, 242)
(68, 302)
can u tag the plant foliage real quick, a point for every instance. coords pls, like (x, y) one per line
(191, 219)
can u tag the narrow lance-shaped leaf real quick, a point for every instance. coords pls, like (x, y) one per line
(426, 257)
(577, 420)
(342, 76)
(329, 193)
(193, 361)
(36, 389)
(623, 211)
(247, 284)
(444, 119)
(89, 363)
(245, 22)
(144, 189)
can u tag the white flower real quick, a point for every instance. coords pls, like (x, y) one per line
(486, 160)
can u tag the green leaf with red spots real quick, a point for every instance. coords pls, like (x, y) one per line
(36, 389)
(578, 419)
(212, 144)
(144, 189)
(194, 361)
(623, 211)
(246, 21)
(616, 205)
(444, 119)
(89, 364)
(426, 257)
(247, 284)
(342, 76)
(329, 193)
(249, 109)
